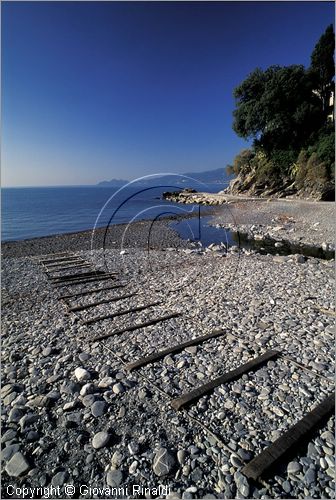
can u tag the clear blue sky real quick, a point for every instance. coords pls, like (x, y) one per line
(99, 90)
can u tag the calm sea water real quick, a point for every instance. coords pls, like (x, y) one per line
(34, 212)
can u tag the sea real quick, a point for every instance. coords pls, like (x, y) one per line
(33, 212)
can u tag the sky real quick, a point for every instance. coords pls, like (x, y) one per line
(98, 90)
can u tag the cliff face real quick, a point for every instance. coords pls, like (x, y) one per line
(250, 184)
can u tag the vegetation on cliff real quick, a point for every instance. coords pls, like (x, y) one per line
(288, 112)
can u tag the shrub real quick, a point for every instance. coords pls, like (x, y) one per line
(242, 164)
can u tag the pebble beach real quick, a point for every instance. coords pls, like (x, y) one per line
(72, 414)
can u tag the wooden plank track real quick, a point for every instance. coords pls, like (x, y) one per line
(188, 398)
(65, 262)
(51, 272)
(69, 258)
(88, 292)
(51, 256)
(79, 276)
(71, 277)
(170, 350)
(98, 302)
(75, 263)
(137, 326)
(289, 440)
(80, 281)
(119, 313)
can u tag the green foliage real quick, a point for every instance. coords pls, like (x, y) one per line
(283, 158)
(277, 108)
(322, 68)
(325, 148)
(284, 110)
(242, 163)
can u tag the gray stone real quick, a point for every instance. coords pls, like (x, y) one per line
(70, 406)
(133, 448)
(70, 388)
(106, 382)
(244, 455)
(286, 486)
(236, 462)
(242, 484)
(17, 465)
(8, 399)
(89, 400)
(32, 436)
(82, 375)
(294, 468)
(84, 356)
(98, 408)
(312, 451)
(133, 467)
(181, 456)
(117, 459)
(88, 388)
(100, 439)
(193, 450)
(114, 478)
(59, 478)
(28, 420)
(118, 388)
(15, 415)
(328, 436)
(53, 395)
(9, 451)
(310, 476)
(191, 349)
(163, 462)
(8, 435)
(40, 402)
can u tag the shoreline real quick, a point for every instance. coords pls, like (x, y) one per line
(162, 235)
(260, 222)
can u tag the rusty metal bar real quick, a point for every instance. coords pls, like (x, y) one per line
(170, 350)
(80, 282)
(88, 292)
(119, 313)
(137, 326)
(223, 379)
(289, 440)
(103, 301)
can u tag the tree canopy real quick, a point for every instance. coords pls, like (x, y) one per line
(277, 108)
(322, 67)
(282, 107)
(286, 111)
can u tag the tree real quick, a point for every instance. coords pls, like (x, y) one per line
(322, 68)
(277, 108)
